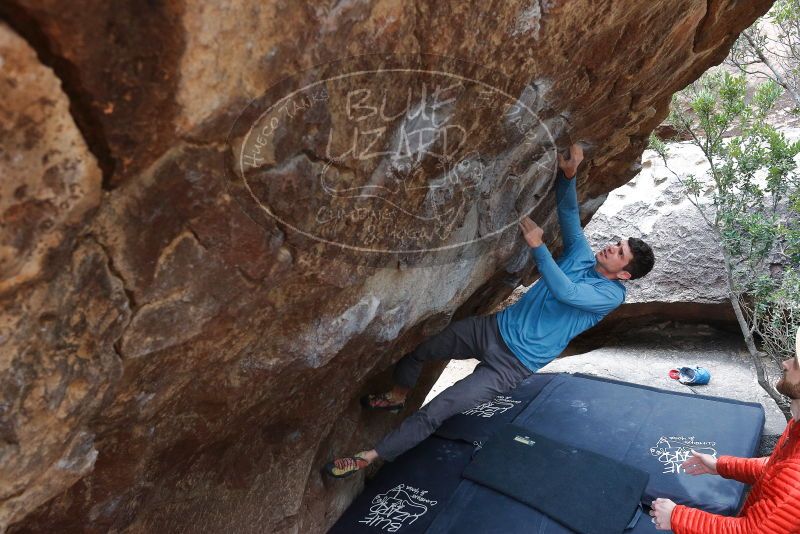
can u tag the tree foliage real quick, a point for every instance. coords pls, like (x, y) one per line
(771, 46)
(750, 199)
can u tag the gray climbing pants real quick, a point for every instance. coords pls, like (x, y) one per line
(498, 372)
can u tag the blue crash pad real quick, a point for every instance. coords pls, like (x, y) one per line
(652, 430)
(474, 508)
(643, 427)
(583, 490)
(407, 494)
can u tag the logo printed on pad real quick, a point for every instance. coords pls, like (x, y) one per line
(525, 440)
(672, 451)
(400, 506)
(499, 404)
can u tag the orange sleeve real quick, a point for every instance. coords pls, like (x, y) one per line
(777, 514)
(745, 470)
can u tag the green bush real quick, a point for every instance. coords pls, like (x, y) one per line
(750, 199)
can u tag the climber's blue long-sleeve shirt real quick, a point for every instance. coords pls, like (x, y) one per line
(570, 297)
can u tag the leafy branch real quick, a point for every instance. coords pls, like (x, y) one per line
(749, 198)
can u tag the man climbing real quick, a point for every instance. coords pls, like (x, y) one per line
(773, 504)
(572, 296)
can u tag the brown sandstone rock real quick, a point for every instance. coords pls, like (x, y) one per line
(50, 179)
(62, 308)
(242, 344)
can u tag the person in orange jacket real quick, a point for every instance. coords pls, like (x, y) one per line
(773, 505)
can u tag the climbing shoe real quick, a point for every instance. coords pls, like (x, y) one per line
(344, 467)
(381, 401)
(691, 375)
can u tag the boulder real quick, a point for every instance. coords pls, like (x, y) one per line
(184, 347)
(654, 207)
(688, 282)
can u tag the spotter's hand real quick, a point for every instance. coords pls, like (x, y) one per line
(700, 464)
(661, 513)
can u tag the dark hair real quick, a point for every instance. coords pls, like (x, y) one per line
(643, 259)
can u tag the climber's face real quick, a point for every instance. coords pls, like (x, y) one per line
(614, 258)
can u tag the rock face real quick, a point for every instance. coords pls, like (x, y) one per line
(62, 307)
(194, 295)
